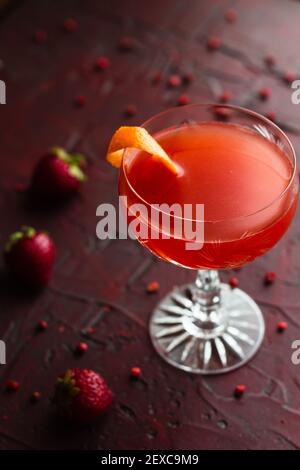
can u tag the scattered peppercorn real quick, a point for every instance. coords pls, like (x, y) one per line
(157, 77)
(12, 385)
(281, 326)
(135, 372)
(270, 60)
(289, 77)
(70, 25)
(102, 63)
(35, 397)
(183, 100)
(126, 44)
(233, 282)
(213, 43)
(105, 308)
(42, 325)
(130, 110)
(152, 287)
(91, 330)
(188, 78)
(231, 15)
(239, 390)
(271, 115)
(264, 93)
(222, 112)
(225, 96)
(174, 80)
(81, 348)
(270, 277)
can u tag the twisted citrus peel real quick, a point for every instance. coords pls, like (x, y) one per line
(137, 138)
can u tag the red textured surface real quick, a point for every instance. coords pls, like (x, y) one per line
(103, 284)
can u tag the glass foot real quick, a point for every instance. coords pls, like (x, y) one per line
(188, 340)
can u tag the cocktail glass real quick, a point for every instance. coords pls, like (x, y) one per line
(209, 327)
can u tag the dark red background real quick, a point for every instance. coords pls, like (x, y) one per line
(103, 284)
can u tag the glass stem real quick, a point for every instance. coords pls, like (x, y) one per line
(207, 298)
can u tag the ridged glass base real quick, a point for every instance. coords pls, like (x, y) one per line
(207, 343)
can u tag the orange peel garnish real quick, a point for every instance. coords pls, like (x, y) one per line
(137, 138)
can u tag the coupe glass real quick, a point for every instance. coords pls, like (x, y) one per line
(207, 327)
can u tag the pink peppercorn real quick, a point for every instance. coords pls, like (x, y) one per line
(222, 112)
(130, 110)
(239, 390)
(12, 385)
(270, 277)
(157, 77)
(135, 372)
(289, 77)
(70, 25)
(188, 78)
(264, 93)
(270, 60)
(152, 287)
(81, 348)
(213, 43)
(225, 96)
(281, 326)
(126, 44)
(174, 80)
(233, 282)
(36, 396)
(231, 15)
(91, 330)
(42, 325)
(271, 115)
(102, 63)
(183, 100)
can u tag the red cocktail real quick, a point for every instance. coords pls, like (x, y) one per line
(225, 167)
(244, 173)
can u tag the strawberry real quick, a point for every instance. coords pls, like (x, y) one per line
(57, 175)
(29, 255)
(82, 394)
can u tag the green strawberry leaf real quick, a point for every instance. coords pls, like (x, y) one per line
(77, 173)
(77, 159)
(25, 231)
(60, 153)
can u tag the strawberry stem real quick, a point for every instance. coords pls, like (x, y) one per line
(28, 231)
(74, 161)
(77, 159)
(66, 389)
(70, 158)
